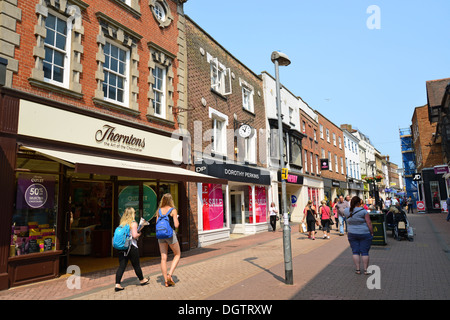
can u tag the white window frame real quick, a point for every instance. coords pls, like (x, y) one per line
(306, 161)
(219, 74)
(342, 165)
(334, 139)
(250, 148)
(126, 87)
(321, 131)
(162, 91)
(330, 161)
(340, 143)
(247, 98)
(317, 164)
(159, 10)
(328, 135)
(217, 117)
(67, 52)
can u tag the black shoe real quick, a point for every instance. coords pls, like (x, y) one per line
(116, 289)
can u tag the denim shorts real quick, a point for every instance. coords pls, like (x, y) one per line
(171, 240)
(360, 243)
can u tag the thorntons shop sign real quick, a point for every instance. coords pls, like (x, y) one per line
(110, 138)
(45, 122)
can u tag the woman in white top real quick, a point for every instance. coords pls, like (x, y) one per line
(273, 216)
(128, 218)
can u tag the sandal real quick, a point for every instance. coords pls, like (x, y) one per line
(358, 271)
(366, 273)
(169, 282)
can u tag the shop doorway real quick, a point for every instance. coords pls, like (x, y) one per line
(237, 207)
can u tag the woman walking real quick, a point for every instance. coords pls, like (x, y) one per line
(360, 233)
(325, 213)
(166, 207)
(133, 253)
(273, 216)
(309, 213)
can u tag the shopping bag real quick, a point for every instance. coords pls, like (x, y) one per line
(303, 228)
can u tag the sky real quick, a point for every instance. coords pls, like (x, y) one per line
(371, 78)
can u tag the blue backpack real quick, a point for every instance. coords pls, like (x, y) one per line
(121, 239)
(163, 228)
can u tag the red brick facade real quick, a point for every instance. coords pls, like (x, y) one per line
(326, 143)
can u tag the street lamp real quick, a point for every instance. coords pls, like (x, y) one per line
(280, 59)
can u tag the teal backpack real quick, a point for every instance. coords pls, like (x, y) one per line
(122, 238)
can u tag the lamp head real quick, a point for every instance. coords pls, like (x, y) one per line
(283, 59)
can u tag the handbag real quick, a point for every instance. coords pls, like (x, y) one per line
(331, 221)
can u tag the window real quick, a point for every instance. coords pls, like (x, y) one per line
(57, 51)
(323, 153)
(159, 89)
(435, 194)
(340, 143)
(304, 127)
(306, 161)
(247, 98)
(218, 138)
(321, 131)
(317, 164)
(334, 139)
(250, 148)
(315, 135)
(291, 115)
(342, 165)
(115, 69)
(220, 77)
(336, 164)
(296, 152)
(311, 162)
(328, 135)
(159, 11)
(330, 163)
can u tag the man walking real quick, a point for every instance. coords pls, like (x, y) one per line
(341, 205)
(448, 208)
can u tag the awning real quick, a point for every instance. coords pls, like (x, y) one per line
(123, 168)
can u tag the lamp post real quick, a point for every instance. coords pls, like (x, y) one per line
(280, 59)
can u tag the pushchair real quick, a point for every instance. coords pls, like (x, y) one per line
(397, 221)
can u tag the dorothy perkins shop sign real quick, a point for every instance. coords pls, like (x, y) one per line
(110, 137)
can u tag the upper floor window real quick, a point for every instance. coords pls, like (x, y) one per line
(57, 50)
(247, 98)
(328, 135)
(115, 69)
(159, 89)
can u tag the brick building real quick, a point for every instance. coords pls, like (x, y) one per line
(91, 96)
(332, 155)
(226, 122)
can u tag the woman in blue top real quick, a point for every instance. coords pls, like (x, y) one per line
(360, 233)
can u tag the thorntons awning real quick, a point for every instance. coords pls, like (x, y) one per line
(116, 167)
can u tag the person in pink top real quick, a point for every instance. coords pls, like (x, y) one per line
(325, 214)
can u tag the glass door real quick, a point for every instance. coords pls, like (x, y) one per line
(237, 207)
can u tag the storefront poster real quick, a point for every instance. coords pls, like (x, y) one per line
(35, 192)
(129, 198)
(212, 206)
(261, 204)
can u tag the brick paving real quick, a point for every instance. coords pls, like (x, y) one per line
(252, 268)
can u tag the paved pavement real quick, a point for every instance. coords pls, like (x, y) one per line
(252, 268)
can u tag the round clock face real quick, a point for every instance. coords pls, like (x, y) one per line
(245, 131)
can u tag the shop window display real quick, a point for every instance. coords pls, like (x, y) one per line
(34, 219)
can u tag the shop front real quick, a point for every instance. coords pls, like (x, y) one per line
(240, 207)
(67, 176)
(355, 188)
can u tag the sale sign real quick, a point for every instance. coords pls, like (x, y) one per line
(35, 192)
(421, 206)
(212, 206)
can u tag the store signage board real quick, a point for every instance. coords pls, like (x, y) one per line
(421, 206)
(45, 122)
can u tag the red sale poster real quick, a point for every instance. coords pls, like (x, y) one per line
(212, 207)
(261, 204)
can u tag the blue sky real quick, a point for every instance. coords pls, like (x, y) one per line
(372, 79)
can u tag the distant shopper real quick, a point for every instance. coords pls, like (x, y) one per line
(341, 205)
(448, 208)
(309, 213)
(410, 204)
(325, 216)
(133, 253)
(166, 207)
(335, 214)
(360, 233)
(273, 212)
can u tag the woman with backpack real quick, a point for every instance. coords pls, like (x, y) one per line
(168, 238)
(132, 254)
